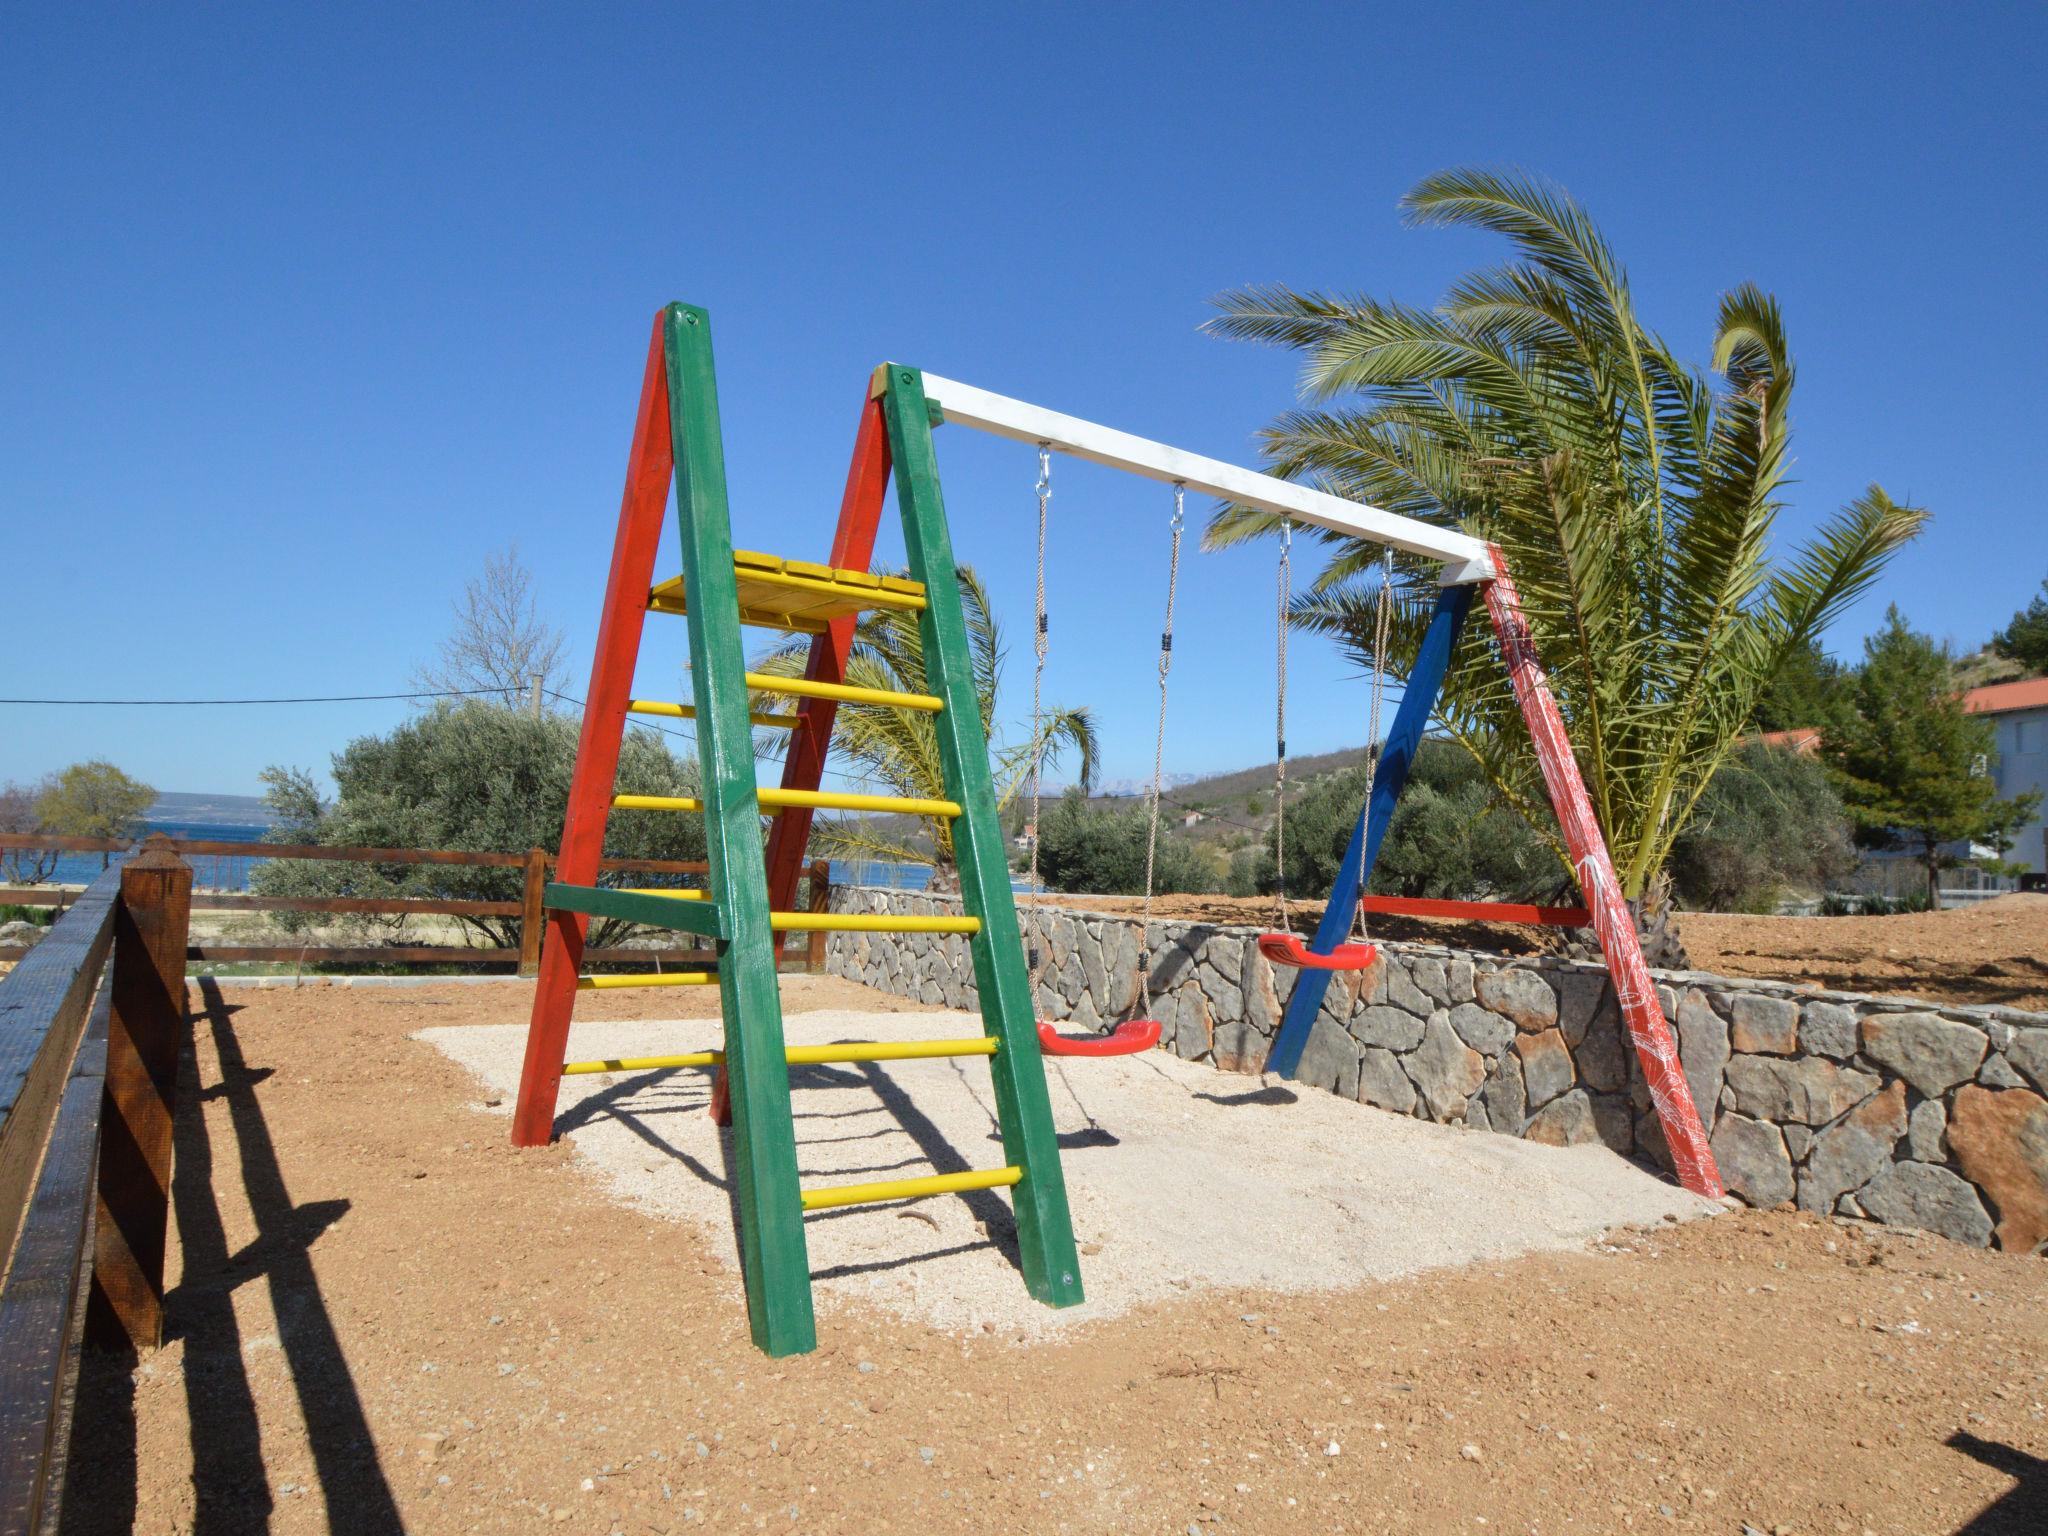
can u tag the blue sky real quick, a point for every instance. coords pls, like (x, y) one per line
(310, 308)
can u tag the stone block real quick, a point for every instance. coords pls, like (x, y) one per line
(1754, 1163)
(1602, 1055)
(1809, 1089)
(1612, 1122)
(1263, 1007)
(1445, 1070)
(1475, 1115)
(1226, 954)
(1462, 981)
(1928, 1051)
(1381, 1081)
(1507, 1100)
(1329, 1060)
(1930, 1198)
(1584, 998)
(1403, 993)
(1847, 1156)
(1927, 1132)
(1546, 1066)
(1769, 1025)
(1798, 1140)
(1565, 1122)
(2000, 1140)
(1702, 1051)
(2028, 1050)
(1429, 974)
(1997, 1072)
(1392, 1029)
(1484, 1031)
(1194, 1025)
(1523, 996)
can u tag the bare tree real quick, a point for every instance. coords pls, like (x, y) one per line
(25, 866)
(499, 645)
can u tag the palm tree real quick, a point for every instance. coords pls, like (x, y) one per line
(900, 747)
(1632, 495)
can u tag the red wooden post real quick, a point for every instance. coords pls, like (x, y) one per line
(1691, 1156)
(853, 548)
(821, 900)
(530, 915)
(146, 1031)
(597, 750)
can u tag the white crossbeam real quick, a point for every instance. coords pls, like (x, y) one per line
(1465, 558)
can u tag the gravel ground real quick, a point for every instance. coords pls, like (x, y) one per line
(1179, 1178)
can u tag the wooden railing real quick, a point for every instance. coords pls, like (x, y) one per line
(801, 949)
(91, 1022)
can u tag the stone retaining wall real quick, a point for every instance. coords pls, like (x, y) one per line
(1893, 1110)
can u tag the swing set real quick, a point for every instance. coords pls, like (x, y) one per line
(749, 892)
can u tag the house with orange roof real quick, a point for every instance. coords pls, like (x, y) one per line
(2019, 711)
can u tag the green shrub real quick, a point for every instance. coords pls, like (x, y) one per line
(1769, 820)
(1099, 848)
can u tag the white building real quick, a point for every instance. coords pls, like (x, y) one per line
(2019, 711)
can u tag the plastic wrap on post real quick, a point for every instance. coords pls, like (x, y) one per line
(1634, 990)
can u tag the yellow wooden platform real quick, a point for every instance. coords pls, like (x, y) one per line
(799, 595)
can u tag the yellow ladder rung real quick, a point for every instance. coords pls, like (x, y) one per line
(782, 722)
(774, 800)
(670, 891)
(800, 1055)
(909, 1189)
(654, 979)
(868, 922)
(844, 693)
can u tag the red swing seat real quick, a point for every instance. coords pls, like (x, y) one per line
(1127, 1039)
(1288, 949)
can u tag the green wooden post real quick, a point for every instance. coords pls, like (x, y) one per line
(1045, 1233)
(772, 1250)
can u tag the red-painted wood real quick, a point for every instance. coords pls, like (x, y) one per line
(597, 749)
(853, 549)
(1127, 1039)
(1292, 949)
(1634, 989)
(1490, 911)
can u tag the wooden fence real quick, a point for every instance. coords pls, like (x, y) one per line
(807, 950)
(91, 1021)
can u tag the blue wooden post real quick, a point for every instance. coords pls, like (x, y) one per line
(1418, 700)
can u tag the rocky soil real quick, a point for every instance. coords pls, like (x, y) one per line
(383, 1318)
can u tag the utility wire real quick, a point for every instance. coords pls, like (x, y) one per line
(337, 698)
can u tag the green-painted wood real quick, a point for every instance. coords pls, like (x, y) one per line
(772, 1250)
(705, 918)
(1045, 1233)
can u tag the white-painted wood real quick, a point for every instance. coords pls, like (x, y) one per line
(1465, 558)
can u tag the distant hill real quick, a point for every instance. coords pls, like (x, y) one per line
(210, 810)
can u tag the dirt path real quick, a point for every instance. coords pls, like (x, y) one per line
(1995, 952)
(385, 1319)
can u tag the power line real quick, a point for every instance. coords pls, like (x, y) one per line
(336, 698)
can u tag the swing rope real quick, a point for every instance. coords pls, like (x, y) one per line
(1285, 581)
(1180, 492)
(1040, 645)
(1381, 622)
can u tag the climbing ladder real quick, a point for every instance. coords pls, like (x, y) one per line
(749, 891)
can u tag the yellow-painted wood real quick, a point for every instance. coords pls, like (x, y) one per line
(652, 979)
(782, 721)
(773, 801)
(670, 891)
(868, 922)
(909, 1189)
(844, 693)
(835, 800)
(798, 594)
(803, 1055)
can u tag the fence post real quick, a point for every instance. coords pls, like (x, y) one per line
(531, 924)
(146, 1032)
(821, 898)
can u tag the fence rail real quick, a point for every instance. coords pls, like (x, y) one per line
(90, 1025)
(534, 864)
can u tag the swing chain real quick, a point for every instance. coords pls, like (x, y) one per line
(1180, 492)
(1040, 645)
